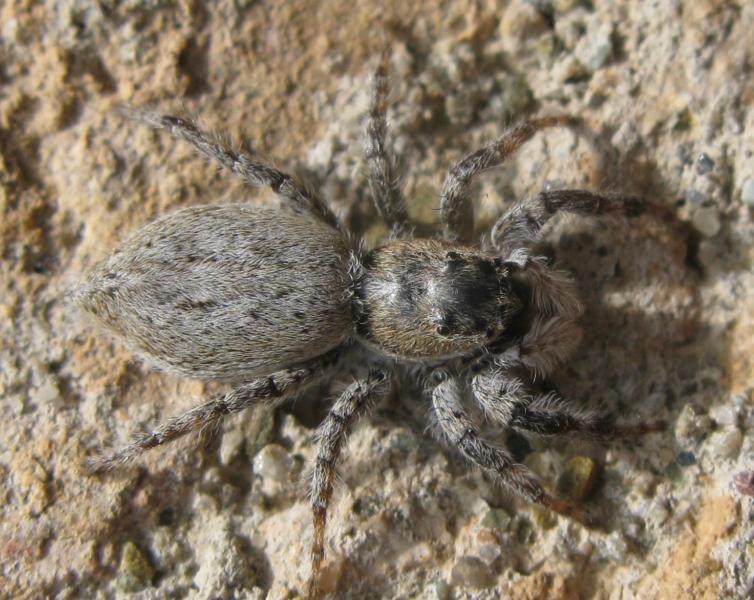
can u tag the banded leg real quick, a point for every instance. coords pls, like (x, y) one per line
(463, 434)
(503, 398)
(456, 209)
(381, 172)
(251, 169)
(271, 389)
(358, 398)
(523, 222)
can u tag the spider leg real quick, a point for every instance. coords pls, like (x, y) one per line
(463, 434)
(332, 433)
(271, 389)
(251, 169)
(523, 222)
(381, 172)
(456, 210)
(504, 399)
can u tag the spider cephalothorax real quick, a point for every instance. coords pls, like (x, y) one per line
(428, 299)
(275, 299)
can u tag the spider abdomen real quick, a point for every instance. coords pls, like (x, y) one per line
(225, 292)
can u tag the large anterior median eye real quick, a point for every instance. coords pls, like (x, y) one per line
(445, 323)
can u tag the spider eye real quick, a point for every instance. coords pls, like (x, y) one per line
(489, 332)
(444, 324)
(454, 261)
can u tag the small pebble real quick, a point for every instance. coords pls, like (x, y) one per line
(707, 221)
(522, 20)
(744, 483)
(726, 443)
(747, 192)
(135, 572)
(694, 197)
(367, 505)
(686, 458)
(514, 97)
(594, 51)
(692, 424)
(496, 520)
(626, 138)
(578, 479)
(657, 513)
(230, 446)
(46, 394)
(470, 571)
(616, 547)
(563, 6)
(260, 429)
(437, 590)
(547, 46)
(725, 414)
(568, 69)
(674, 472)
(273, 464)
(543, 517)
(489, 552)
(704, 164)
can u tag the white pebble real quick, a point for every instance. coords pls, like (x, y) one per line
(726, 443)
(747, 192)
(230, 446)
(273, 463)
(46, 394)
(725, 414)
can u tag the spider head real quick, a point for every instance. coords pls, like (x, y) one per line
(426, 299)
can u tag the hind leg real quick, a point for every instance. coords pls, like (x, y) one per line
(271, 389)
(251, 169)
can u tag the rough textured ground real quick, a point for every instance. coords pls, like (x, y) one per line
(665, 91)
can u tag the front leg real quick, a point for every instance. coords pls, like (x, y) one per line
(456, 209)
(521, 225)
(505, 400)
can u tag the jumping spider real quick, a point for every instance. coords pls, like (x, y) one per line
(276, 299)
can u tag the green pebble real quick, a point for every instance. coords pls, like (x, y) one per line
(135, 572)
(578, 479)
(496, 520)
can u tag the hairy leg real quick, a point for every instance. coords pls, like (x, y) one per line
(522, 223)
(456, 210)
(357, 398)
(251, 169)
(504, 399)
(463, 434)
(381, 172)
(270, 389)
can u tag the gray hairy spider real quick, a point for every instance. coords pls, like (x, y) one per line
(276, 299)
